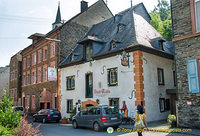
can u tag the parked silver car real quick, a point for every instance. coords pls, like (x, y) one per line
(97, 117)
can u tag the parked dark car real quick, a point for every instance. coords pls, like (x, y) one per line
(19, 108)
(45, 115)
(97, 117)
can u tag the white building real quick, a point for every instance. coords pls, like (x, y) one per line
(94, 73)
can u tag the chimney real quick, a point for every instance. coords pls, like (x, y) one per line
(84, 6)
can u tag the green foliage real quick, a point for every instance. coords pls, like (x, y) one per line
(161, 19)
(8, 118)
(5, 131)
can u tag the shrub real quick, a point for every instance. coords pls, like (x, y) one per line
(5, 131)
(26, 129)
(8, 118)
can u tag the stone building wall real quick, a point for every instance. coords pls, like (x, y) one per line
(188, 116)
(181, 15)
(4, 79)
(70, 34)
(187, 46)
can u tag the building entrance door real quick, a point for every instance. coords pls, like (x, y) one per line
(48, 105)
(41, 105)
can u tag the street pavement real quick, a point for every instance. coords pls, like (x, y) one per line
(57, 129)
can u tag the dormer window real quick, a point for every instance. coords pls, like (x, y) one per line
(160, 42)
(72, 57)
(120, 27)
(113, 44)
(88, 52)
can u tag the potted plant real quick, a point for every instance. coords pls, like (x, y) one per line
(172, 120)
(64, 120)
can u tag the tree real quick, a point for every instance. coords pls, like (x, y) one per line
(161, 19)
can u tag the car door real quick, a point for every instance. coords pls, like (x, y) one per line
(83, 118)
(92, 116)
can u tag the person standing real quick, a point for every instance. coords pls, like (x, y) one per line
(140, 116)
(124, 111)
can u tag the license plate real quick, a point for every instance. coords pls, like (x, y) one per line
(113, 118)
(55, 115)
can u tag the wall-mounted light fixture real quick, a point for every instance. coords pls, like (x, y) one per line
(97, 100)
(103, 69)
(125, 59)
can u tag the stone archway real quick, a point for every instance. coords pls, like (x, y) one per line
(45, 99)
(89, 103)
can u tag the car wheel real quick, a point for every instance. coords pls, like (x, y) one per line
(96, 127)
(57, 121)
(43, 120)
(75, 124)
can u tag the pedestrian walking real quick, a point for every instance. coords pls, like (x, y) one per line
(140, 120)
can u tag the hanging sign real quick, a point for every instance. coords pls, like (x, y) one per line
(52, 74)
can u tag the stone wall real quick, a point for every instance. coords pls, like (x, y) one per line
(4, 79)
(188, 116)
(181, 15)
(70, 34)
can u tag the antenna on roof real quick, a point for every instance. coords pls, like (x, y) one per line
(131, 4)
(59, 3)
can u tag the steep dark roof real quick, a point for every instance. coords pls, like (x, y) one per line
(58, 16)
(126, 30)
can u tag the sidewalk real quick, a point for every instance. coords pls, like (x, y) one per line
(163, 126)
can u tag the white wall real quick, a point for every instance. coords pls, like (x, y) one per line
(125, 83)
(152, 89)
(122, 91)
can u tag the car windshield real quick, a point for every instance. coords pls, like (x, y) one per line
(18, 108)
(111, 110)
(54, 112)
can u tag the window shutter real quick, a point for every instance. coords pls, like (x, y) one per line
(192, 73)
(108, 77)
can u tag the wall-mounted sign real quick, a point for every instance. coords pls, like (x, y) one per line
(101, 93)
(189, 103)
(52, 74)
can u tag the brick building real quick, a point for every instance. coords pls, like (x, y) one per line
(186, 37)
(41, 58)
(15, 78)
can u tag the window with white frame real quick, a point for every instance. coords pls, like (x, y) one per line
(160, 76)
(45, 74)
(34, 59)
(69, 106)
(39, 76)
(33, 77)
(197, 14)
(53, 50)
(112, 77)
(70, 84)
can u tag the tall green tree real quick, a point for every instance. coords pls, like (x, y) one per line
(161, 19)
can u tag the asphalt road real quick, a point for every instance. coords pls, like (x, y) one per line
(57, 129)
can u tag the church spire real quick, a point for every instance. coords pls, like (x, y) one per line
(57, 22)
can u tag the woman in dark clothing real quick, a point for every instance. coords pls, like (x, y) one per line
(140, 115)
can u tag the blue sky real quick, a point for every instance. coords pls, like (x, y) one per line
(21, 18)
